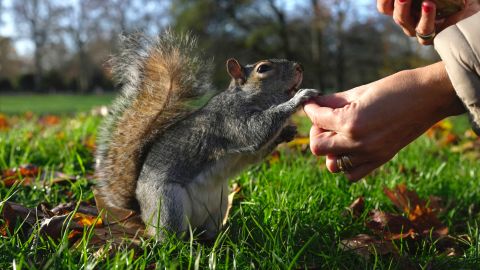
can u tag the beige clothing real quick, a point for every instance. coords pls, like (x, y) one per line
(459, 48)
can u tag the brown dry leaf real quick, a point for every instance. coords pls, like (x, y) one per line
(423, 218)
(357, 207)
(90, 143)
(442, 132)
(14, 212)
(53, 223)
(83, 208)
(390, 226)
(49, 120)
(56, 225)
(366, 245)
(4, 125)
(234, 190)
(29, 175)
(119, 224)
(87, 220)
(419, 223)
(438, 128)
(28, 115)
(274, 157)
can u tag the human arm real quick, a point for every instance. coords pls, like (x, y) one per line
(371, 123)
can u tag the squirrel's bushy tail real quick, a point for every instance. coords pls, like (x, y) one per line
(158, 77)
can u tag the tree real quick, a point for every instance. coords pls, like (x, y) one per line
(1, 12)
(83, 25)
(9, 62)
(40, 21)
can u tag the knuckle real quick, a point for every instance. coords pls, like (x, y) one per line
(409, 32)
(316, 148)
(353, 128)
(381, 6)
(398, 20)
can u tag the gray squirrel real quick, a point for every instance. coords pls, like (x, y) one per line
(161, 155)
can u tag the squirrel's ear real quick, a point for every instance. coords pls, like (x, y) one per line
(236, 71)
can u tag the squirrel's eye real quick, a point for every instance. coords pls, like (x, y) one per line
(263, 68)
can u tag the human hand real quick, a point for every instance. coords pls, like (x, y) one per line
(371, 123)
(427, 25)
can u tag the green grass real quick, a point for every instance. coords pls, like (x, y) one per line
(291, 217)
(15, 104)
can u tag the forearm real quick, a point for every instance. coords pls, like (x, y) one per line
(438, 88)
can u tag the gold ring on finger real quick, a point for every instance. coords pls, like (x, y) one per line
(340, 164)
(347, 163)
(426, 37)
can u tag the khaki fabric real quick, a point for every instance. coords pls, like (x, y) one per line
(459, 48)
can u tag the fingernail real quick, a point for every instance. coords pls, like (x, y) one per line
(426, 8)
(402, 1)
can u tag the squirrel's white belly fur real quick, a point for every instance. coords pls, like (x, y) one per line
(208, 191)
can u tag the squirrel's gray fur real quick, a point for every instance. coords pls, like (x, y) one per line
(183, 156)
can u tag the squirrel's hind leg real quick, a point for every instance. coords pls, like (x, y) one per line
(165, 209)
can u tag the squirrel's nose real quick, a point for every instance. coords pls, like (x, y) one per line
(298, 67)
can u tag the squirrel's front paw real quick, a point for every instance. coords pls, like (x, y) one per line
(287, 134)
(305, 94)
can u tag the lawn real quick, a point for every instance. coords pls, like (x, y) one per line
(51, 103)
(291, 213)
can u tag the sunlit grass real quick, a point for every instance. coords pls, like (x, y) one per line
(57, 103)
(291, 215)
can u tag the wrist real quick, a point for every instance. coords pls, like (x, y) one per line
(434, 80)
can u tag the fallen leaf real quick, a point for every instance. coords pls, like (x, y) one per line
(234, 190)
(56, 225)
(357, 207)
(4, 125)
(442, 132)
(83, 208)
(366, 245)
(25, 173)
(423, 218)
(390, 226)
(49, 120)
(119, 223)
(274, 157)
(29, 175)
(87, 220)
(28, 115)
(14, 212)
(90, 143)
(299, 141)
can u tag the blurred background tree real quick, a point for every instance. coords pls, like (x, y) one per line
(63, 45)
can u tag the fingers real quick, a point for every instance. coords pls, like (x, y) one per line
(361, 171)
(361, 167)
(385, 6)
(402, 16)
(333, 101)
(426, 25)
(321, 117)
(328, 142)
(332, 165)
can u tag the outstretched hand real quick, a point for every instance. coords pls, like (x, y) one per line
(371, 123)
(427, 24)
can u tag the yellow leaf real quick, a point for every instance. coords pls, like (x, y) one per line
(299, 141)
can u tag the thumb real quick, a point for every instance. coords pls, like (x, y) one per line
(322, 117)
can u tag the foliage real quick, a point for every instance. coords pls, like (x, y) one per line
(289, 213)
(340, 42)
